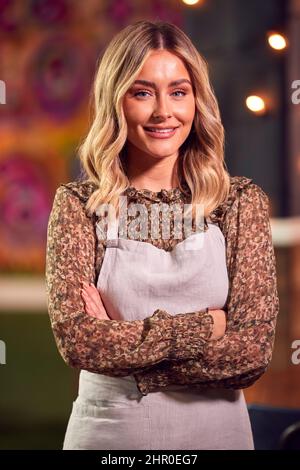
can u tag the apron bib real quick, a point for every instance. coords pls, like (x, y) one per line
(135, 279)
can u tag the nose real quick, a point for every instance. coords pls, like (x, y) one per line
(161, 110)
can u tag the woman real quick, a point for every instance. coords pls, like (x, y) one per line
(168, 326)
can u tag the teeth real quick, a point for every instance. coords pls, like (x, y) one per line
(160, 130)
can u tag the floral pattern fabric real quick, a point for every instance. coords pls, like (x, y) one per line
(164, 349)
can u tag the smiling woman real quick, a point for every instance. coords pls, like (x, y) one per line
(156, 120)
(159, 115)
(174, 326)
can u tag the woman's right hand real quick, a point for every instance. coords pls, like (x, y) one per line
(93, 302)
(219, 326)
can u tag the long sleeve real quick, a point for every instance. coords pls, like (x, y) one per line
(243, 354)
(111, 347)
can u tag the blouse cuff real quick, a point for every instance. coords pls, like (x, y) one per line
(190, 334)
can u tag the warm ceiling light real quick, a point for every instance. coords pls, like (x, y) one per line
(277, 41)
(192, 2)
(256, 104)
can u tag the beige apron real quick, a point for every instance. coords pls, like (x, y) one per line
(110, 413)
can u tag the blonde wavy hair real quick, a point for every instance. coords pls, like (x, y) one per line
(201, 166)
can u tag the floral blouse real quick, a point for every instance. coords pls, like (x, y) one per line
(165, 349)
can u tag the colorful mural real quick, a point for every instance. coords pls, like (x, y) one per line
(48, 54)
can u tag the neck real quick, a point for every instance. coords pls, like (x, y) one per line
(152, 173)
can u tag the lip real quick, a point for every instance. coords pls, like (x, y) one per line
(160, 135)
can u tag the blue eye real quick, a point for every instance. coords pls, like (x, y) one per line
(139, 93)
(177, 91)
(180, 91)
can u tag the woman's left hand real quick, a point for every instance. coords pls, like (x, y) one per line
(93, 302)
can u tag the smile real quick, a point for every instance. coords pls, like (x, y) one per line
(160, 133)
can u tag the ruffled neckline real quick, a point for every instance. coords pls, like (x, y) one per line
(84, 189)
(165, 195)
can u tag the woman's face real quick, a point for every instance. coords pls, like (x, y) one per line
(159, 104)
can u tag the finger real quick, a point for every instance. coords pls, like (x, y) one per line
(89, 305)
(94, 297)
(94, 307)
(91, 310)
(92, 292)
(88, 293)
(95, 303)
(95, 290)
(98, 314)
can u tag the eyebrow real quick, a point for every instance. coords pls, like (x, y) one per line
(153, 85)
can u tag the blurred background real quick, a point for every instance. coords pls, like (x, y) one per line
(48, 54)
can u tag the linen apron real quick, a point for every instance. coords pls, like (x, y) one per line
(110, 413)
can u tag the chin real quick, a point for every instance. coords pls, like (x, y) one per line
(161, 154)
